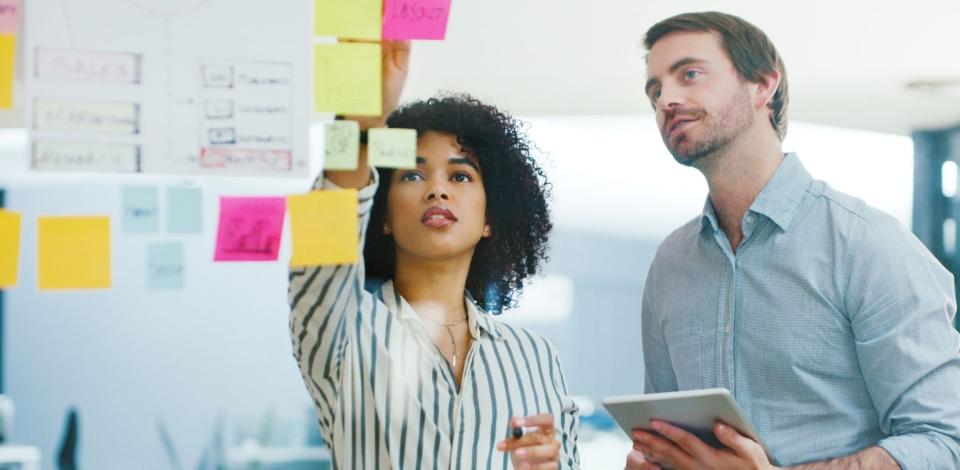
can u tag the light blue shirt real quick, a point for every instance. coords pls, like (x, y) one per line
(831, 326)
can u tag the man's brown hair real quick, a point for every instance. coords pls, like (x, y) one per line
(748, 47)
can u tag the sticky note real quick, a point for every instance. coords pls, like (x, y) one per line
(392, 148)
(184, 209)
(342, 147)
(250, 228)
(165, 265)
(73, 252)
(9, 247)
(415, 19)
(141, 212)
(8, 48)
(347, 79)
(9, 16)
(324, 228)
(354, 19)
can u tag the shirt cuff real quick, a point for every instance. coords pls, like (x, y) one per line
(919, 451)
(363, 193)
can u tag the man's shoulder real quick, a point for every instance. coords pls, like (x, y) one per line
(681, 241)
(841, 204)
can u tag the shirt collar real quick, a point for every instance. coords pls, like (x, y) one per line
(478, 320)
(779, 199)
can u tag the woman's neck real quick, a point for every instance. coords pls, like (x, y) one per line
(434, 288)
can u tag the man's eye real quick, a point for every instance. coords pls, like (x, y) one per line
(691, 74)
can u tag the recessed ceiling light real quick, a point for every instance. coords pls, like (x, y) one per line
(941, 87)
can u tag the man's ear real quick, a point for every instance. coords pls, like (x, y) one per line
(766, 88)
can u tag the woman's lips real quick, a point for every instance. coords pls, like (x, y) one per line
(437, 217)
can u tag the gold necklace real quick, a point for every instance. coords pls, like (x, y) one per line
(453, 339)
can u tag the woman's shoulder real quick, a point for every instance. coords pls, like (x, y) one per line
(522, 337)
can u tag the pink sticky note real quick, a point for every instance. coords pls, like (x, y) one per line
(415, 19)
(250, 228)
(9, 16)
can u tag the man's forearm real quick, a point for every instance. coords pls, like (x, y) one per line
(872, 458)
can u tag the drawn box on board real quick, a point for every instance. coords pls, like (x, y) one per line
(85, 156)
(217, 76)
(222, 136)
(84, 115)
(85, 65)
(246, 159)
(218, 109)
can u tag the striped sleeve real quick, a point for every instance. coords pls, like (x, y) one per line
(323, 303)
(569, 419)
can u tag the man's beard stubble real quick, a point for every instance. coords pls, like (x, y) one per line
(722, 128)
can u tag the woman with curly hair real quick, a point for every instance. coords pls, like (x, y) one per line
(418, 374)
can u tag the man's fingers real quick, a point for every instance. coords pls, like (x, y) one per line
(738, 443)
(661, 450)
(636, 461)
(690, 443)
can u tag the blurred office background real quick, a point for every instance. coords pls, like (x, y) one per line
(204, 375)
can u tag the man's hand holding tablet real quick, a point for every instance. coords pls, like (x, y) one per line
(689, 429)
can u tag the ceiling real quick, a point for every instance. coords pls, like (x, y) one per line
(847, 61)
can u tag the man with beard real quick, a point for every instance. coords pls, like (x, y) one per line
(829, 322)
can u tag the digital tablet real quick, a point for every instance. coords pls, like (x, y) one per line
(693, 410)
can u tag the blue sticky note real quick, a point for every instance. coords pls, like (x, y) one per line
(165, 265)
(140, 209)
(184, 209)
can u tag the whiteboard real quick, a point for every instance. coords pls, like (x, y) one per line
(215, 87)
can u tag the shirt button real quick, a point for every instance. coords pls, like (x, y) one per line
(749, 219)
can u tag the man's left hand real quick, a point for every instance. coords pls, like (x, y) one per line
(679, 449)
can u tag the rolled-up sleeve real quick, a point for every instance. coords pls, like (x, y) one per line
(901, 303)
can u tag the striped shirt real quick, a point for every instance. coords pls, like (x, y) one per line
(387, 399)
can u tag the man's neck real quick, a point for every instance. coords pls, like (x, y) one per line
(736, 175)
(434, 288)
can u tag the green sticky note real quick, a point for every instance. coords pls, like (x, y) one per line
(347, 79)
(165, 265)
(342, 145)
(184, 209)
(355, 19)
(392, 148)
(140, 209)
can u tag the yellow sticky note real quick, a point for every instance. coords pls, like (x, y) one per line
(8, 49)
(347, 79)
(392, 148)
(73, 252)
(9, 247)
(324, 228)
(354, 19)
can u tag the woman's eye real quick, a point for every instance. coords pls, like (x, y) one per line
(410, 176)
(462, 178)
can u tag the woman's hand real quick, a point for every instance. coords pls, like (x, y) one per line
(395, 65)
(538, 449)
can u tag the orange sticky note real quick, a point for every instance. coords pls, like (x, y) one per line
(324, 228)
(354, 19)
(9, 247)
(347, 79)
(73, 252)
(8, 49)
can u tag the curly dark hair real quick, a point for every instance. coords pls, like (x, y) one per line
(516, 190)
